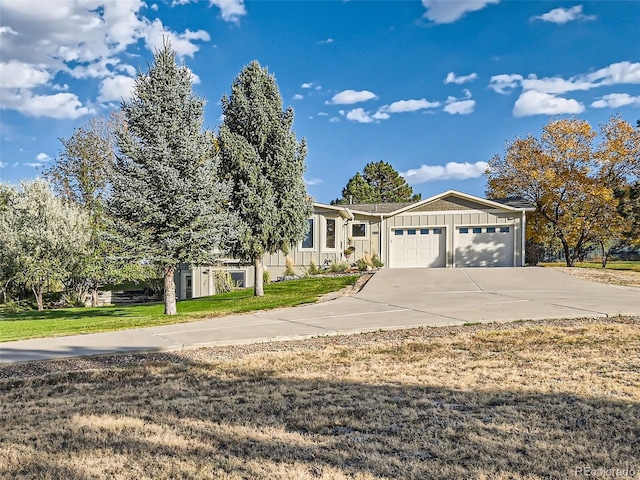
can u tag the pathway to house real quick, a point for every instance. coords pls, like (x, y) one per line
(393, 298)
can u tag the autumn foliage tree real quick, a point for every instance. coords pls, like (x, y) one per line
(571, 174)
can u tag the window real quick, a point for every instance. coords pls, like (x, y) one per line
(330, 233)
(491, 229)
(504, 229)
(477, 230)
(437, 231)
(464, 230)
(307, 241)
(359, 230)
(238, 279)
(424, 231)
(398, 232)
(411, 232)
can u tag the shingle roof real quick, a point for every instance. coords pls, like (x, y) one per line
(515, 202)
(377, 207)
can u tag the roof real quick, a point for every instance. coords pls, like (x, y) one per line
(516, 202)
(390, 209)
(378, 207)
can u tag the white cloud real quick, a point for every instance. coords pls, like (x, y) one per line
(504, 83)
(60, 105)
(297, 96)
(565, 15)
(230, 10)
(325, 42)
(541, 96)
(449, 11)
(312, 181)
(462, 107)
(617, 100)
(323, 114)
(85, 39)
(43, 157)
(360, 116)
(532, 102)
(116, 89)
(35, 165)
(8, 30)
(307, 85)
(349, 97)
(616, 73)
(334, 120)
(451, 171)
(452, 78)
(156, 34)
(409, 106)
(21, 75)
(3, 164)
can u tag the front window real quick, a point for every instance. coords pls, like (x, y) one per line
(307, 241)
(359, 230)
(330, 233)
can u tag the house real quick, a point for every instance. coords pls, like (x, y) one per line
(449, 230)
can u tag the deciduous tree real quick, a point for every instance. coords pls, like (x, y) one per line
(80, 174)
(43, 236)
(168, 203)
(378, 183)
(265, 162)
(570, 179)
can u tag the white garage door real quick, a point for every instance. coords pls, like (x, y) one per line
(417, 247)
(484, 246)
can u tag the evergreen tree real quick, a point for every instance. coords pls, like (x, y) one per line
(379, 183)
(265, 162)
(168, 203)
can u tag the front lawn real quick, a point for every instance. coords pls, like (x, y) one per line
(72, 321)
(520, 401)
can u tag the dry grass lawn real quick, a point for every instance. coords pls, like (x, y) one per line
(528, 400)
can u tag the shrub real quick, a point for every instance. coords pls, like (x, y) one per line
(376, 261)
(313, 268)
(338, 267)
(288, 271)
(266, 277)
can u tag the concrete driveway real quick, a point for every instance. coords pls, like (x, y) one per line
(391, 299)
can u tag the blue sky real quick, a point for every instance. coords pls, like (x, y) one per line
(434, 87)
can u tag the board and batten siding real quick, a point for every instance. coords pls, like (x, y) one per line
(425, 217)
(276, 263)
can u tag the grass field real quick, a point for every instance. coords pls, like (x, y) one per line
(625, 266)
(69, 321)
(528, 400)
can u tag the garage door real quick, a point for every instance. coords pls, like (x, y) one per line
(484, 246)
(417, 247)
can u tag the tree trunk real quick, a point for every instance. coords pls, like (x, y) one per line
(38, 292)
(169, 291)
(94, 297)
(567, 253)
(258, 284)
(605, 255)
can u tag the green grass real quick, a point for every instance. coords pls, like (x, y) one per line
(629, 266)
(73, 321)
